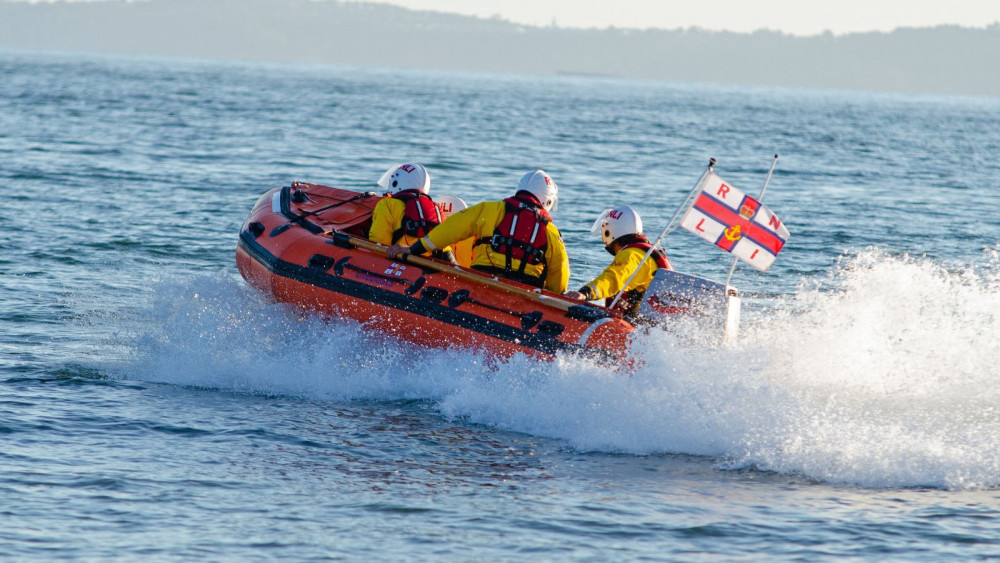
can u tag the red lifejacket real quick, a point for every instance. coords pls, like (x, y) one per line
(419, 216)
(522, 234)
(629, 303)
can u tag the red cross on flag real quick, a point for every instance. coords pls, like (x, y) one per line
(736, 223)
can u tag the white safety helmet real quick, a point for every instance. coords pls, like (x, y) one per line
(406, 177)
(542, 186)
(448, 204)
(616, 223)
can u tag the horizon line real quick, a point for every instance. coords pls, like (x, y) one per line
(555, 25)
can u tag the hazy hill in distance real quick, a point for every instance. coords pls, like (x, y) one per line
(946, 59)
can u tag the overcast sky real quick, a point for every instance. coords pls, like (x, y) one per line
(799, 17)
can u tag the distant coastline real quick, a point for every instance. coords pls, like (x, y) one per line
(582, 74)
(939, 60)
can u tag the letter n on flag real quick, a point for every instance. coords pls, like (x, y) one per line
(736, 223)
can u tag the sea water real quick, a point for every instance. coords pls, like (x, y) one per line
(154, 406)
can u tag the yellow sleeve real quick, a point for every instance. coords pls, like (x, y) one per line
(469, 222)
(557, 277)
(385, 221)
(613, 277)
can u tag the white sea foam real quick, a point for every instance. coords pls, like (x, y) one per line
(891, 377)
(883, 376)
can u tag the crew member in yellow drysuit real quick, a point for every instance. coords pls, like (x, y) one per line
(515, 238)
(621, 230)
(408, 212)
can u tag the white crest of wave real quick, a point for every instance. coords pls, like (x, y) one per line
(886, 379)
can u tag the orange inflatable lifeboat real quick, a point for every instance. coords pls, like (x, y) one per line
(307, 245)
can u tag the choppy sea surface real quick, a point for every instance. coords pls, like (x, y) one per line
(153, 406)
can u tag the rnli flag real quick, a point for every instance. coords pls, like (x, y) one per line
(736, 223)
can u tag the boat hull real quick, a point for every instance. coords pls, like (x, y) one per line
(300, 245)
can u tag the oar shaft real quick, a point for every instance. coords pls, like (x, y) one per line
(457, 271)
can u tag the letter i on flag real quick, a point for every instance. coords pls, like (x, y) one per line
(736, 223)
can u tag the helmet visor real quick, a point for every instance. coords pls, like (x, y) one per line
(386, 178)
(599, 224)
(554, 191)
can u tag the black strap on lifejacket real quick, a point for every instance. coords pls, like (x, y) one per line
(419, 216)
(522, 235)
(629, 303)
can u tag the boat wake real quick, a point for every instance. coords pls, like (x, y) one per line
(883, 375)
(890, 374)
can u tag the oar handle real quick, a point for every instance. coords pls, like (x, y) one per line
(457, 271)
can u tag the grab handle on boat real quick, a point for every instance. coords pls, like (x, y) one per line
(528, 320)
(341, 265)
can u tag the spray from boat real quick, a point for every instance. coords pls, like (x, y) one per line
(883, 375)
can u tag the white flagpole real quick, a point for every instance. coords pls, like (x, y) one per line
(670, 224)
(760, 198)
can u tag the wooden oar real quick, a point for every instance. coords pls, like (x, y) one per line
(457, 271)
